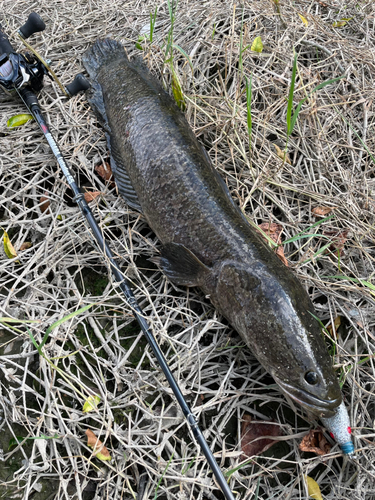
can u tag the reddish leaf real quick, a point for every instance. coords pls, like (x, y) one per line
(274, 232)
(91, 195)
(315, 442)
(322, 211)
(251, 431)
(99, 450)
(44, 203)
(338, 239)
(105, 172)
(280, 254)
(25, 245)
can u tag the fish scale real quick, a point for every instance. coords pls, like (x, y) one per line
(162, 170)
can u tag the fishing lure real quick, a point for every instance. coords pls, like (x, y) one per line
(339, 429)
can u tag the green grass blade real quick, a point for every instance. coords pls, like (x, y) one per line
(354, 280)
(318, 252)
(257, 490)
(168, 47)
(180, 49)
(183, 472)
(368, 284)
(367, 358)
(177, 90)
(13, 320)
(290, 98)
(240, 62)
(320, 323)
(21, 440)
(63, 320)
(170, 9)
(358, 137)
(172, 6)
(36, 345)
(303, 236)
(160, 480)
(317, 223)
(228, 473)
(249, 85)
(298, 109)
(152, 23)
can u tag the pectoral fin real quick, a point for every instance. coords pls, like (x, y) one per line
(121, 176)
(180, 265)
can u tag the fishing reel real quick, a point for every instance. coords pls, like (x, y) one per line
(18, 70)
(28, 70)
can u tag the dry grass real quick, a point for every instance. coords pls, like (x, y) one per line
(98, 352)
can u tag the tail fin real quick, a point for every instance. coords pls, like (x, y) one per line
(101, 53)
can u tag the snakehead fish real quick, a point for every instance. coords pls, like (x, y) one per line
(162, 171)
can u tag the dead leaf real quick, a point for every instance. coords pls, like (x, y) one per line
(91, 195)
(44, 203)
(322, 211)
(25, 245)
(342, 23)
(91, 404)
(257, 45)
(274, 231)
(339, 239)
(336, 324)
(303, 19)
(19, 120)
(251, 431)
(8, 247)
(105, 172)
(313, 488)
(280, 254)
(99, 450)
(315, 442)
(283, 155)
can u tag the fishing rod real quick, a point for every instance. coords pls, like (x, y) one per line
(23, 74)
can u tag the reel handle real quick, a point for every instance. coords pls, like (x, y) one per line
(5, 46)
(79, 83)
(33, 24)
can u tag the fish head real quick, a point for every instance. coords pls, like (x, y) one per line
(274, 315)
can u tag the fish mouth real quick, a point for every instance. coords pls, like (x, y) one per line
(320, 407)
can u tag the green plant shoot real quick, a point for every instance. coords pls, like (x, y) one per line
(291, 119)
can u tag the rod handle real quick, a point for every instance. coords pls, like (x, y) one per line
(33, 24)
(29, 98)
(79, 83)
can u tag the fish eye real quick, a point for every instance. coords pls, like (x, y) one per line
(311, 378)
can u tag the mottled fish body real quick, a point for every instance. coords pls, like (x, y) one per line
(162, 171)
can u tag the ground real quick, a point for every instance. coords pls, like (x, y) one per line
(321, 194)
